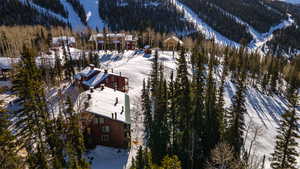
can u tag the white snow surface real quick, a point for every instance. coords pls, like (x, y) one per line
(91, 8)
(108, 158)
(103, 103)
(291, 1)
(74, 19)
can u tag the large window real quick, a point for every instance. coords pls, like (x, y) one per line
(105, 129)
(105, 138)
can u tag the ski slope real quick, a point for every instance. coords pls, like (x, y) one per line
(91, 8)
(296, 2)
(73, 19)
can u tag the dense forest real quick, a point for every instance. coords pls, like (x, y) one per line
(139, 15)
(53, 5)
(14, 12)
(187, 125)
(219, 21)
(253, 12)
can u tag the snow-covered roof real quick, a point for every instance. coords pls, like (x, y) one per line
(7, 62)
(86, 72)
(96, 79)
(68, 39)
(174, 38)
(109, 103)
(112, 35)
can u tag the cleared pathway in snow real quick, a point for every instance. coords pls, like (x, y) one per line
(91, 8)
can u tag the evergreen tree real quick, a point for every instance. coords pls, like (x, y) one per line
(285, 154)
(8, 148)
(31, 119)
(212, 135)
(198, 123)
(146, 108)
(237, 124)
(74, 140)
(183, 111)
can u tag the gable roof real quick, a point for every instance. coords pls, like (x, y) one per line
(173, 38)
(69, 39)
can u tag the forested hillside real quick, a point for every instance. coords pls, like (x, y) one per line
(140, 15)
(53, 5)
(14, 12)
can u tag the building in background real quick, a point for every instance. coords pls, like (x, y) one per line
(116, 41)
(63, 40)
(172, 43)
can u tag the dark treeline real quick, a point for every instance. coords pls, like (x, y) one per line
(128, 15)
(222, 23)
(185, 117)
(14, 12)
(286, 40)
(53, 5)
(79, 10)
(253, 12)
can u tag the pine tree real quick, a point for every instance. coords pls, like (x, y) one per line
(285, 153)
(146, 108)
(212, 135)
(160, 131)
(237, 124)
(74, 140)
(183, 111)
(198, 123)
(8, 148)
(33, 116)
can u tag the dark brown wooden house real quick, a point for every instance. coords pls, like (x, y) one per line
(105, 118)
(92, 77)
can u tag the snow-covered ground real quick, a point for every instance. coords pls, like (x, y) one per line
(291, 1)
(74, 19)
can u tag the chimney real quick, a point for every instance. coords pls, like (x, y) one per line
(91, 89)
(112, 70)
(112, 115)
(120, 74)
(105, 71)
(116, 116)
(92, 66)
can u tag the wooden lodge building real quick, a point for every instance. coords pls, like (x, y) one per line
(92, 77)
(63, 40)
(105, 118)
(172, 43)
(116, 41)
